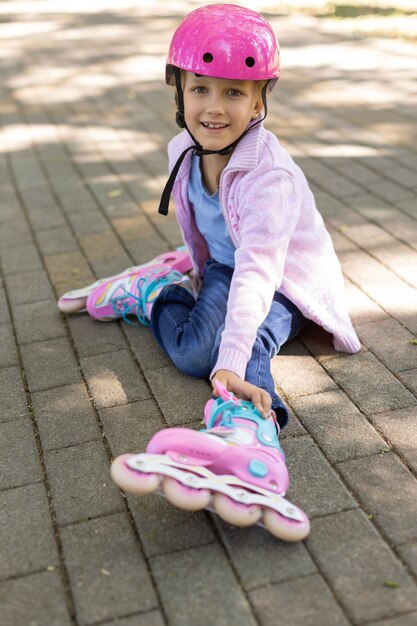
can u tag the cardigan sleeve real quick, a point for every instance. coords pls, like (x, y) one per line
(268, 210)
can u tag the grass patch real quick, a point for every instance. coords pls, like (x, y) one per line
(352, 11)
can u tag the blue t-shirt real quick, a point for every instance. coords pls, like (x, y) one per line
(209, 217)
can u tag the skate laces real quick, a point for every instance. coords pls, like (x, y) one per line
(148, 287)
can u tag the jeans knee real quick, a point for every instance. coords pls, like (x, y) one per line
(191, 363)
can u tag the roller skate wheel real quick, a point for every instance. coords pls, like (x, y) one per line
(236, 513)
(185, 497)
(285, 528)
(132, 480)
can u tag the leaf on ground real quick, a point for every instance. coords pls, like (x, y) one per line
(115, 193)
(413, 341)
(391, 583)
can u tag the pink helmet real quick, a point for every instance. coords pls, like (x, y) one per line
(225, 41)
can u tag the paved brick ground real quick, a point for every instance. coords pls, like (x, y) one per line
(85, 120)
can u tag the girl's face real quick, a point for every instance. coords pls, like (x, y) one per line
(218, 110)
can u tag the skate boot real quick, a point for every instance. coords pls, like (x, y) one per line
(75, 301)
(234, 467)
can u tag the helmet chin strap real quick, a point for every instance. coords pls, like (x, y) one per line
(197, 148)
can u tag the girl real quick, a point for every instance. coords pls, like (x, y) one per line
(263, 262)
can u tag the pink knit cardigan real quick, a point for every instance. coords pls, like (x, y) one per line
(281, 243)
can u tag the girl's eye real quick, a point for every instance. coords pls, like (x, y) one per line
(234, 92)
(199, 90)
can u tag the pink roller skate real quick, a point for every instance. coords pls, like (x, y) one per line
(75, 301)
(235, 468)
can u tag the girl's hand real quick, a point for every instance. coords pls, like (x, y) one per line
(259, 397)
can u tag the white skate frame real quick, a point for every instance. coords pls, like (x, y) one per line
(199, 477)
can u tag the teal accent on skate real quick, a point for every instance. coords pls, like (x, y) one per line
(148, 287)
(224, 412)
(257, 468)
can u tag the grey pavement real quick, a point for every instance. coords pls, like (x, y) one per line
(85, 121)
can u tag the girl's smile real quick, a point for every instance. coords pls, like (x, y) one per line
(218, 110)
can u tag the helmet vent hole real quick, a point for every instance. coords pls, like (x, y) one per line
(250, 61)
(207, 57)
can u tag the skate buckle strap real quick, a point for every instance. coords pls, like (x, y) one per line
(228, 408)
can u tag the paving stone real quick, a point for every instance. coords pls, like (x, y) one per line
(80, 483)
(4, 309)
(64, 416)
(402, 620)
(362, 309)
(88, 222)
(39, 198)
(369, 384)
(153, 618)
(13, 403)
(8, 353)
(36, 600)
(400, 428)
(409, 378)
(92, 337)
(181, 398)
(56, 240)
(296, 373)
(75, 198)
(27, 540)
(208, 576)
(133, 228)
(408, 206)
(360, 566)
(19, 462)
(294, 428)
(356, 170)
(38, 321)
(30, 286)
(391, 344)
(14, 232)
(400, 258)
(164, 528)
(259, 559)
(114, 379)
(17, 258)
(314, 485)
(318, 342)
(388, 491)
(145, 348)
(388, 190)
(408, 553)
(103, 246)
(50, 364)
(107, 572)
(381, 285)
(68, 270)
(337, 426)
(148, 248)
(129, 427)
(113, 265)
(306, 601)
(27, 171)
(45, 218)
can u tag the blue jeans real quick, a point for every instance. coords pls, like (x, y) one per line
(189, 331)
